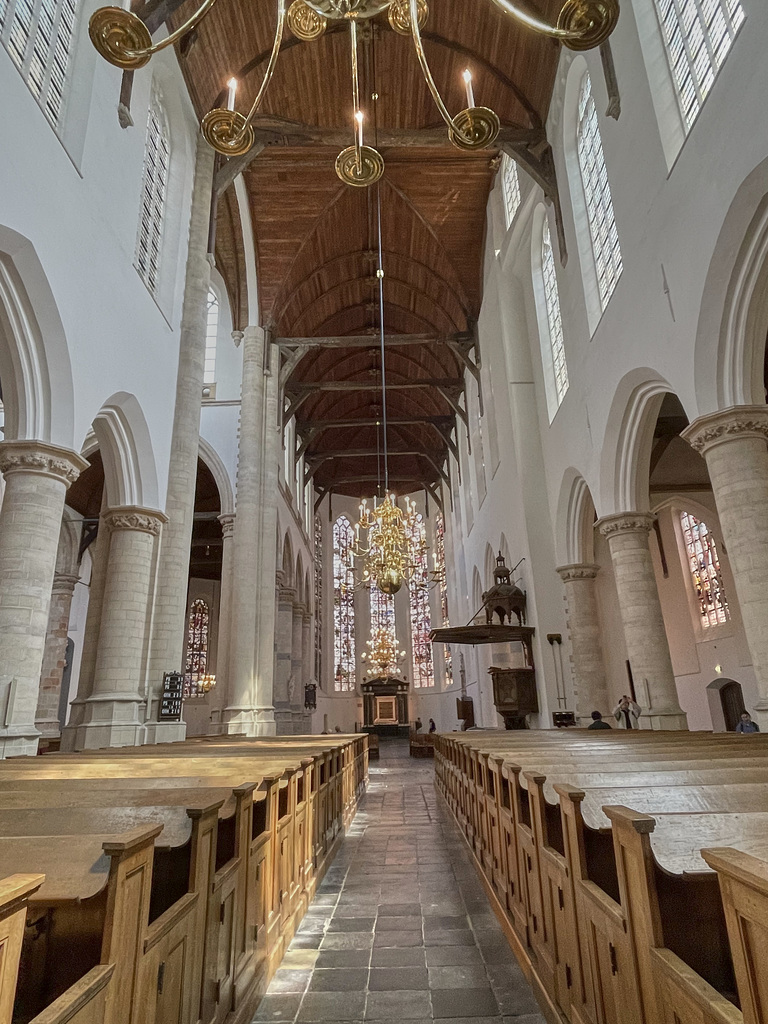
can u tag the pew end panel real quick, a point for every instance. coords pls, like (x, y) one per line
(15, 892)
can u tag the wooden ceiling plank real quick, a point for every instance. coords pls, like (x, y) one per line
(373, 341)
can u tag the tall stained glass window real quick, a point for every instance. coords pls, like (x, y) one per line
(343, 606)
(211, 338)
(510, 185)
(421, 619)
(554, 319)
(382, 610)
(154, 184)
(440, 569)
(704, 565)
(198, 626)
(38, 35)
(318, 599)
(697, 35)
(597, 194)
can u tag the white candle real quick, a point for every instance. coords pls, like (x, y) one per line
(359, 119)
(467, 76)
(231, 91)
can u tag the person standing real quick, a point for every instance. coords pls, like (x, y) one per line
(627, 713)
(432, 726)
(746, 725)
(417, 725)
(597, 722)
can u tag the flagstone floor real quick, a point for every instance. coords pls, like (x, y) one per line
(400, 928)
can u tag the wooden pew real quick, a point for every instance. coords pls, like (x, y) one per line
(15, 891)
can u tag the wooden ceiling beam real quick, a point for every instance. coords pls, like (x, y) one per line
(392, 421)
(300, 386)
(373, 340)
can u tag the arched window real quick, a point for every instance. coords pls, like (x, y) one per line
(704, 565)
(697, 37)
(211, 338)
(558, 368)
(510, 186)
(343, 606)
(421, 619)
(382, 610)
(196, 665)
(153, 190)
(38, 35)
(318, 599)
(597, 194)
(440, 569)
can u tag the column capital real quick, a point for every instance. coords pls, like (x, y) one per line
(727, 425)
(64, 582)
(38, 457)
(227, 520)
(626, 522)
(131, 517)
(286, 595)
(306, 617)
(583, 571)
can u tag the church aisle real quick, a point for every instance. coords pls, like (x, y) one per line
(400, 928)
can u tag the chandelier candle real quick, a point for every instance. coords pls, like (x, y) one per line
(231, 92)
(467, 76)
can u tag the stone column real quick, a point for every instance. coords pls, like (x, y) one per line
(110, 716)
(37, 476)
(590, 686)
(733, 442)
(641, 616)
(297, 670)
(218, 695)
(285, 682)
(54, 655)
(173, 569)
(307, 667)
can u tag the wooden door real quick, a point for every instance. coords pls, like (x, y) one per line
(732, 700)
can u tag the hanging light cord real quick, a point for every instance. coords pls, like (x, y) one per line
(380, 276)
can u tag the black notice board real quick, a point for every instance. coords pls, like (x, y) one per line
(172, 697)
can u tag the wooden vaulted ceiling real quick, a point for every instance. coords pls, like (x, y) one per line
(316, 238)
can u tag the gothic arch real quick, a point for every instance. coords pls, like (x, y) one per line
(728, 363)
(574, 539)
(627, 440)
(35, 367)
(130, 474)
(219, 472)
(287, 562)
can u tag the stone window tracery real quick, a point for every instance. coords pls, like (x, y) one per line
(343, 606)
(510, 186)
(698, 35)
(421, 619)
(554, 318)
(440, 569)
(318, 599)
(153, 192)
(704, 566)
(198, 627)
(382, 610)
(211, 338)
(39, 36)
(597, 194)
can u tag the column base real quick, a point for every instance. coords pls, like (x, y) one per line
(165, 732)
(106, 721)
(50, 728)
(18, 741)
(663, 720)
(283, 722)
(247, 721)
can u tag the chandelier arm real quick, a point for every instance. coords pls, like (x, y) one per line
(270, 68)
(115, 32)
(355, 90)
(537, 24)
(419, 47)
(581, 24)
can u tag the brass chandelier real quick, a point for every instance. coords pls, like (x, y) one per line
(123, 39)
(395, 548)
(382, 653)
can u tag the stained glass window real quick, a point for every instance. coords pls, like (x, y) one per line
(554, 319)
(153, 188)
(343, 606)
(597, 193)
(196, 665)
(421, 619)
(510, 185)
(318, 599)
(440, 570)
(38, 35)
(211, 338)
(704, 564)
(697, 35)
(382, 610)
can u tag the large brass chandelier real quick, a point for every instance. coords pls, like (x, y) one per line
(383, 654)
(394, 547)
(123, 39)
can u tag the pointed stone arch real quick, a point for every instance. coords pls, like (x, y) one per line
(130, 472)
(219, 472)
(574, 539)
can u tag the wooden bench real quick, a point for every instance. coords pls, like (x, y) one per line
(422, 744)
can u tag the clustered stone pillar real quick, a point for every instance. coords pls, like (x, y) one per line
(641, 616)
(250, 666)
(296, 694)
(111, 712)
(590, 685)
(285, 680)
(54, 655)
(173, 569)
(218, 695)
(733, 442)
(307, 661)
(37, 476)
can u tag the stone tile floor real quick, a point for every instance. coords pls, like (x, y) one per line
(400, 928)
